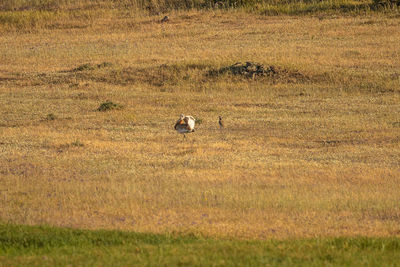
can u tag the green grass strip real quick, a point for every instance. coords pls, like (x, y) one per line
(49, 246)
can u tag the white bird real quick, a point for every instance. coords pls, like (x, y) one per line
(185, 124)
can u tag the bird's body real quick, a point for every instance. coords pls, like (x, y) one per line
(185, 124)
(165, 19)
(220, 122)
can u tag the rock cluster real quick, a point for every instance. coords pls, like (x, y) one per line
(252, 70)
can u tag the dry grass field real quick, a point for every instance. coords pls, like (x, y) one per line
(312, 151)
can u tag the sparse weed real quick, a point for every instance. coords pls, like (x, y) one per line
(199, 121)
(77, 143)
(89, 66)
(106, 106)
(51, 117)
(84, 67)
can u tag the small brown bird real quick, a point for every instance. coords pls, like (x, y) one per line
(220, 122)
(165, 19)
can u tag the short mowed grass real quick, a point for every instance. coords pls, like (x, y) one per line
(48, 246)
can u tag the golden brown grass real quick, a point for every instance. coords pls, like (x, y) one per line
(297, 158)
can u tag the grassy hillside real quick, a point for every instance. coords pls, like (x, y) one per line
(28, 15)
(45, 246)
(164, 5)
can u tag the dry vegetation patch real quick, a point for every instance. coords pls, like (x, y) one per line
(109, 105)
(167, 74)
(257, 71)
